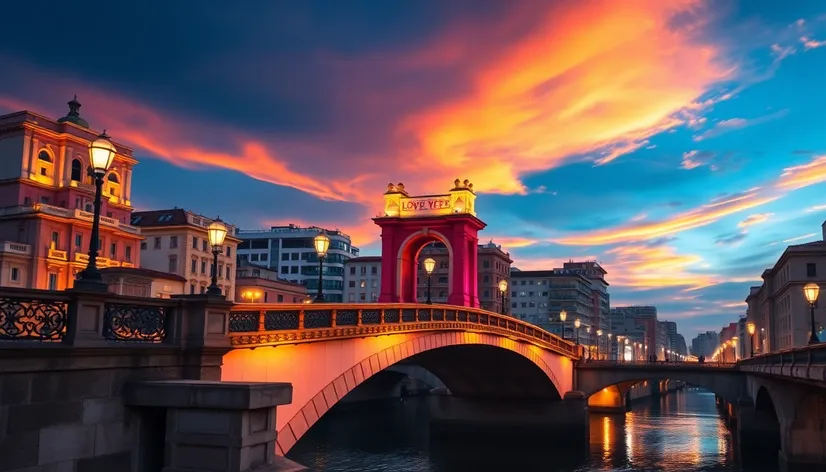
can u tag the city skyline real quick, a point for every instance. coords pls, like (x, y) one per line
(674, 143)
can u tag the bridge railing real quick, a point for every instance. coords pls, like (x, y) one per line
(657, 364)
(252, 325)
(807, 362)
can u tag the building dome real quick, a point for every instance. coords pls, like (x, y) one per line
(74, 114)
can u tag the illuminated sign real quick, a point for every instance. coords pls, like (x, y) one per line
(398, 204)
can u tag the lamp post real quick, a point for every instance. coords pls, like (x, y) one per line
(251, 294)
(623, 350)
(321, 243)
(609, 347)
(588, 332)
(599, 341)
(101, 155)
(216, 232)
(577, 324)
(429, 265)
(751, 329)
(563, 315)
(811, 291)
(503, 287)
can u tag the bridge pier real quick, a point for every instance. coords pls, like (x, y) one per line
(563, 423)
(758, 433)
(803, 441)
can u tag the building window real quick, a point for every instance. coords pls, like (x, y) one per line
(352, 297)
(194, 242)
(52, 281)
(143, 245)
(173, 265)
(229, 252)
(280, 298)
(352, 270)
(285, 256)
(203, 267)
(221, 270)
(173, 241)
(363, 270)
(362, 283)
(203, 288)
(294, 256)
(285, 269)
(77, 170)
(293, 269)
(15, 274)
(204, 245)
(113, 183)
(191, 289)
(194, 266)
(486, 279)
(811, 269)
(362, 297)
(46, 163)
(157, 242)
(55, 240)
(486, 293)
(113, 251)
(78, 241)
(229, 271)
(351, 284)
(486, 264)
(264, 257)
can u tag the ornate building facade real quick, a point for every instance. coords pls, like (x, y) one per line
(46, 198)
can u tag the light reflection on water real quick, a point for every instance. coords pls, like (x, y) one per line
(682, 432)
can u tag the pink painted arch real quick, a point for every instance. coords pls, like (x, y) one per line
(324, 372)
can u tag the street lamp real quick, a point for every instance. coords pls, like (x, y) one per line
(599, 341)
(734, 340)
(590, 346)
(563, 315)
(751, 328)
(216, 232)
(812, 291)
(101, 155)
(503, 287)
(251, 294)
(429, 265)
(321, 243)
(577, 324)
(609, 347)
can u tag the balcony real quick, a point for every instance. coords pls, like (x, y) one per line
(102, 262)
(9, 247)
(57, 254)
(73, 213)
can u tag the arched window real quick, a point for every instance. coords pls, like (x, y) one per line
(113, 182)
(46, 163)
(77, 170)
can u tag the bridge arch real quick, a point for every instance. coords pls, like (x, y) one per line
(468, 363)
(615, 379)
(408, 260)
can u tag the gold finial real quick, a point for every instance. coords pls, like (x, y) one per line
(456, 183)
(390, 187)
(400, 186)
(466, 182)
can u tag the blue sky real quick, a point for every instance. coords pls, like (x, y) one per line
(679, 143)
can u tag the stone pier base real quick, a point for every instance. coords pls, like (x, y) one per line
(560, 423)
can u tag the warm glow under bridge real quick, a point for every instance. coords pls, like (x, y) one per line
(255, 325)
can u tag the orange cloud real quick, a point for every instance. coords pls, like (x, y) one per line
(803, 175)
(754, 219)
(597, 79)
(644, 267)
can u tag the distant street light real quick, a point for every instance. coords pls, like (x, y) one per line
(812, 291)
(599, 341)
(563, 315)
(429, 265)
(322, 244)
(751, 328)
(503, 287)
(216, 232)
(101, 155)
(577, 324)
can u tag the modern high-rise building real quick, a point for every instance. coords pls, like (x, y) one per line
(600, 299)
(654, 339)
(47, 201)
(539, 296)
(177, 243)
(290, 250)
(705, 344)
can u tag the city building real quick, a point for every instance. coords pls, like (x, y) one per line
(46, 201)
(705, 344)
(290, 250)
(177, 243)
(493, 266)
(257, 284)
(654, 341)
(141, 282)
(778, 307)
(362, 279)
(600, 299)
(624, 325)
(539, 296)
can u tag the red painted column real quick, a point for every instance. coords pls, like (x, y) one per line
(460, 291)
(389, 265)
(473, 269)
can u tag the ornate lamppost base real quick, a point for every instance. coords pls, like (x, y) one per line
(85, 285)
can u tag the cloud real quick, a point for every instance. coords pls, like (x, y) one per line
(694, 159)
(731, 239)
(803, 175)
(645, 267)
(725, 126)
(754, 219)
(809, 43)
(797, 239)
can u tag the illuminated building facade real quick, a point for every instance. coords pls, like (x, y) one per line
(290, 250)
(362, 279)
(46, 202)
(257, 284)
(177, 243)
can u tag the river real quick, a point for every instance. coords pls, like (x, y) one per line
(680, 432)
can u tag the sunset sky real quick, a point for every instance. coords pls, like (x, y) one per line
(680, 143)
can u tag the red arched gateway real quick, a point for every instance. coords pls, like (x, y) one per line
(410, 223)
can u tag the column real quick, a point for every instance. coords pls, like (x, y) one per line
(26, 157)
(33, 156)
(389, 266)
(473, 271)
(126, 196)
(460, 291)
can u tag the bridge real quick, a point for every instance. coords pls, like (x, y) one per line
(97, 373)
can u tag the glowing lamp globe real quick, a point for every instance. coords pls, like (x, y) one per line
(101, 154)
(429, 265)
(811, 291)
(599, 332)
(577, 323)
(563, 315)
(750, 326)
(216, 232)
(503, 286)
(321, 244)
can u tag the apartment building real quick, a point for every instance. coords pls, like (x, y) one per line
(177, 243)
(539, 296)
(257, 284)
(362, 279)
(289, 250)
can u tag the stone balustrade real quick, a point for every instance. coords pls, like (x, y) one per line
(803, 363)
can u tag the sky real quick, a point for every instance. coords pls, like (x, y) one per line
(679, 143)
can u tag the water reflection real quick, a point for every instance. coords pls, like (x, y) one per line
(680, 432)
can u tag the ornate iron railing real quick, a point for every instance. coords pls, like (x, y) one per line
(134, 322)
(33, 315)
(253, 325)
